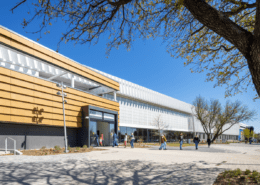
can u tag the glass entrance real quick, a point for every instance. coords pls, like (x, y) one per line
(93, 132)
(111, 132)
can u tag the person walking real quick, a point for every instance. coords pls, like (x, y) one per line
(125, 140)
(163, 142)
(250, 140)
(209, 142)
(97, 138)
(115, 140)
(101, 140)
(132, 140)
(181, 141)
(196, 140)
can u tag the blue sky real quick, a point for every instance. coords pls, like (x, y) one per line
(146, 64)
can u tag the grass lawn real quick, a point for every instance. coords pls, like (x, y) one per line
(173, 144)
(178, 144)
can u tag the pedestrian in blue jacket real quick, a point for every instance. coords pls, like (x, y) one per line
(132, 140)
(97, 138)
(115, 140)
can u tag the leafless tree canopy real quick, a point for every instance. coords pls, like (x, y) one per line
(159, 125)
(215, 119)
(221, 37)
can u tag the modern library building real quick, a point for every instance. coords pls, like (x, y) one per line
(35, 81)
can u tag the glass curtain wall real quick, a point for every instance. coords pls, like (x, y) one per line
(151, 135)
(93, 132)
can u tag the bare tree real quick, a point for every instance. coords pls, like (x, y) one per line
(215, 119)
(160, 126)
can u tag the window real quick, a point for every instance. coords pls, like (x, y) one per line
(145, 135)
(140, 133)
(109, 117)
(122, 134)
(95, 114)
(129, 131)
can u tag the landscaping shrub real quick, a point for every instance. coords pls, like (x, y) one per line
(43, 148)
(238, 172)
(247, 172)
(238, 177)
(85, 146)
(77, 148)
(57, 148)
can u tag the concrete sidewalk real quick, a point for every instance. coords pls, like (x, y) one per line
(130, 166)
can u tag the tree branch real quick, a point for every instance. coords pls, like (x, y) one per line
(243, 6)
(17, 5)
(118, 3)
(257, 21)
(198, 30)
(220, 24)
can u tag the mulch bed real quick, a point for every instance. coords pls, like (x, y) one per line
(238, 177)
(52, 151)
(57, 151)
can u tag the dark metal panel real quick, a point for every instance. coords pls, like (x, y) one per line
(35, 137)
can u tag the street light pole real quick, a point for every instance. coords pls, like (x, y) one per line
(63, 107)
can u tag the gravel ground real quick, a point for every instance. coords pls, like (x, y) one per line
(130, 166)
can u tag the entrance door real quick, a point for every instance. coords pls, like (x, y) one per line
(93, 132)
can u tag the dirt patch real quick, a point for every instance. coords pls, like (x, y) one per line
(52, 151)
(238, 177)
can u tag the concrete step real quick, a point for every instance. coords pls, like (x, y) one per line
(3, 152)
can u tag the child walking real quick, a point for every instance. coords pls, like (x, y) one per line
(125, 139)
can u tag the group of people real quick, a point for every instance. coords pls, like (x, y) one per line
(196, 140)
(132, 139)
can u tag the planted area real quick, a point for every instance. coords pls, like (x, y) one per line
(58, 150)
(237, 177)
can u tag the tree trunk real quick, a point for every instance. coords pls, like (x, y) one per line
(253, 61)
(246, 42)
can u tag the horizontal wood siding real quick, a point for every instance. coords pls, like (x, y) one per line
(54, 58)
(27, 99)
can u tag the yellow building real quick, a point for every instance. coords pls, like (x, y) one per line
(31, 111)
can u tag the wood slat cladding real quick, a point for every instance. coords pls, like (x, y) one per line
(36, 50)
(27, 99)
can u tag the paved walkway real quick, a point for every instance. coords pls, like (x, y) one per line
(130, 166)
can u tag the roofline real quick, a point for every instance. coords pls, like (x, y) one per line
(26, 38)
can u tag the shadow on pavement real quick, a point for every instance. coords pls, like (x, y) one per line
(105, 172)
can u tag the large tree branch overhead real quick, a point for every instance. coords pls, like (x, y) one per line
(219, 23)
(220, 37)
